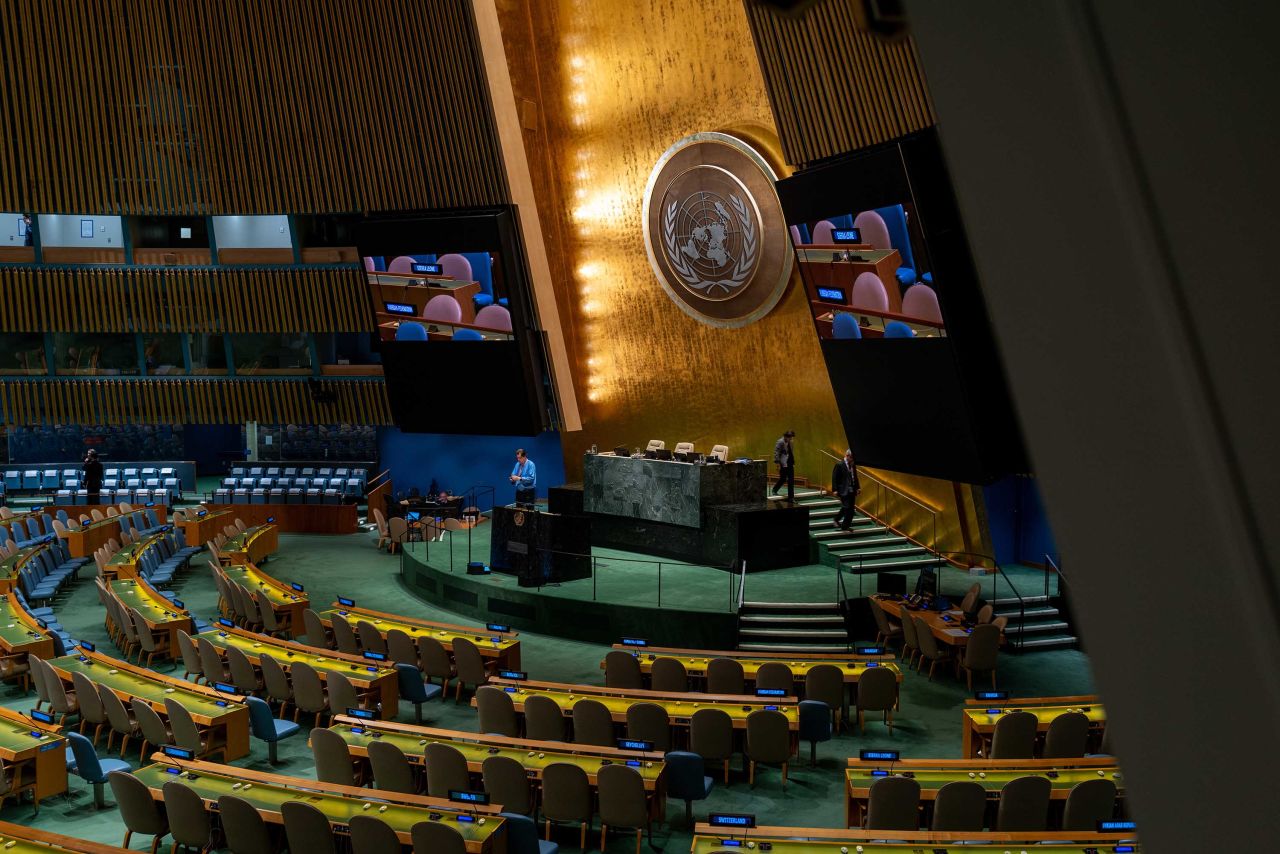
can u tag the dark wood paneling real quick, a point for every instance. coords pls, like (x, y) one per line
(190, 401)
(835, 88)
(296, 518)
(255, 106)
(183, 300)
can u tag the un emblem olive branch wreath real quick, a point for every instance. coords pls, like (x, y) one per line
(742, 268)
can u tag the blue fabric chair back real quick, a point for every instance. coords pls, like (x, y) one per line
(410, 331)
(842, 221)
(522, 834)
(87, 765)
(481, 269)
(467, 335)
(412, 688)
(815, 721)
(898, 329)
(685, 778)
(845, 326)
(260, 719)
(895, 219)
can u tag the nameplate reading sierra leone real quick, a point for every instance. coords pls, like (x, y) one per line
(715, 232)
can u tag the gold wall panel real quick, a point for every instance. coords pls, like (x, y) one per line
(203, 299)
(616, 83)
(836, 88)
(251, 106)
(99, 402)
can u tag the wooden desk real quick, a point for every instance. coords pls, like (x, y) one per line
(287, 603)
(338, 803)
(224, 715)
(534, 755)
(991, 774)
(19, 631)
(36, 752)
(437, 330)
(680, 707)
(87, 539)
(30, 840)
(504, 653)
(380, 684)
(977, 723)
(825, 840)
(945, 625)
(820, 270)
(395, 287)
(695, 661)
(199, 530)
(252, 545)
(297, 518)
(11, 567)
(161, 614)
(124, 563)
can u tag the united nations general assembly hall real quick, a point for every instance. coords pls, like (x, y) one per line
(633, 426)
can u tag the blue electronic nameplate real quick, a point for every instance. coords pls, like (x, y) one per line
(634, 642)
(179, 604)
(723, 819)
(878, 755)
(634, 744)
(270, 519)
(203, 513)
(831, 294)
(481, 798)
(879, 772)
(731, 843)
(179, 753)
(225, 688)
(297, 587)
(428, 269)
(516, 675)
(846, 235)
(87, 646)
(374, 656)
(1123, 848)
(399, 308)
(346, 603)
(771, 692)
(771, 708)
(991, 695)
(362, 714)
(223, 621)
(870, 650)
(42, 717)
(42, 624)
(1116, 826)
(463, 817)
(497, 627)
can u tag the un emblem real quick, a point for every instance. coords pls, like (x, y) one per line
(715, 232)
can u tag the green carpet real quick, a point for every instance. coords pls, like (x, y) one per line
(927, 726)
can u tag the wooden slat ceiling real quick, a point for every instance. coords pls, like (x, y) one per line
(834, 88)
(243, 106)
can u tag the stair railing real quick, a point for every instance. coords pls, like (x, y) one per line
(1062, 579)
(995, 588)
(742, 586)
(880, 510)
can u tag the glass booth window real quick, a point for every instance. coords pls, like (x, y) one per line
(95, 354)
(208, 354)
(162, 355)
(270, 353)
(22, 353)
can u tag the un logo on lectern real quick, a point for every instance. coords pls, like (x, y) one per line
(715, 232)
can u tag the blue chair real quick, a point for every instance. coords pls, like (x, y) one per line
(467, 335)
(268, 727)
(845, 326)
(414, 689)
(686, 780)
(522, 836)
(82, 759)
(410, 331)
(815, 726)
(898, 329)
(12, 480)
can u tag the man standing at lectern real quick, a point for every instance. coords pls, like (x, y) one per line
(525, 478)
(784, 454)
(844, 483)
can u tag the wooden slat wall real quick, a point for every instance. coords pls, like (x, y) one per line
(243, 106)
(98, 402)
(834, 88)
(189, 299)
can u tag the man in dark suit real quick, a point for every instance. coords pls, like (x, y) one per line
(844, 483)
(92, 472)
(784, 454)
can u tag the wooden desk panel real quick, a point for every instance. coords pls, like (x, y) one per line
(287, 603)
(976, 723)
(825, 840)
(297, 518)
(252, 545)
(821, 271)
(30, 840)
(505, 653)
(41, 759)
(199, 530)
(19, 631)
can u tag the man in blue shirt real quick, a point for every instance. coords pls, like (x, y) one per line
(525, 478)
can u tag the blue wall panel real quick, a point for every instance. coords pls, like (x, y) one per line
(460, 462)
(1020, 529)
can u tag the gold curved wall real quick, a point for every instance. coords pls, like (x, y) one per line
(613, 84)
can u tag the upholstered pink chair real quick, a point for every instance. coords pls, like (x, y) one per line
(921, 301)
(873, 230)
(369, 265)
(797, 239)
(869, 293)
(822, 233)
(455, 266)
(442, 308)
(401, 264)
(494, 317)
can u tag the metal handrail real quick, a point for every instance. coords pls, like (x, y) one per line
(742, 585)
(1062, 579)
(995, 589)
(933, 512)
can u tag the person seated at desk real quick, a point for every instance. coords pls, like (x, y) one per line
(524, 476)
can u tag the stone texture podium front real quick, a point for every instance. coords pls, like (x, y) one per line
(671, 492)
